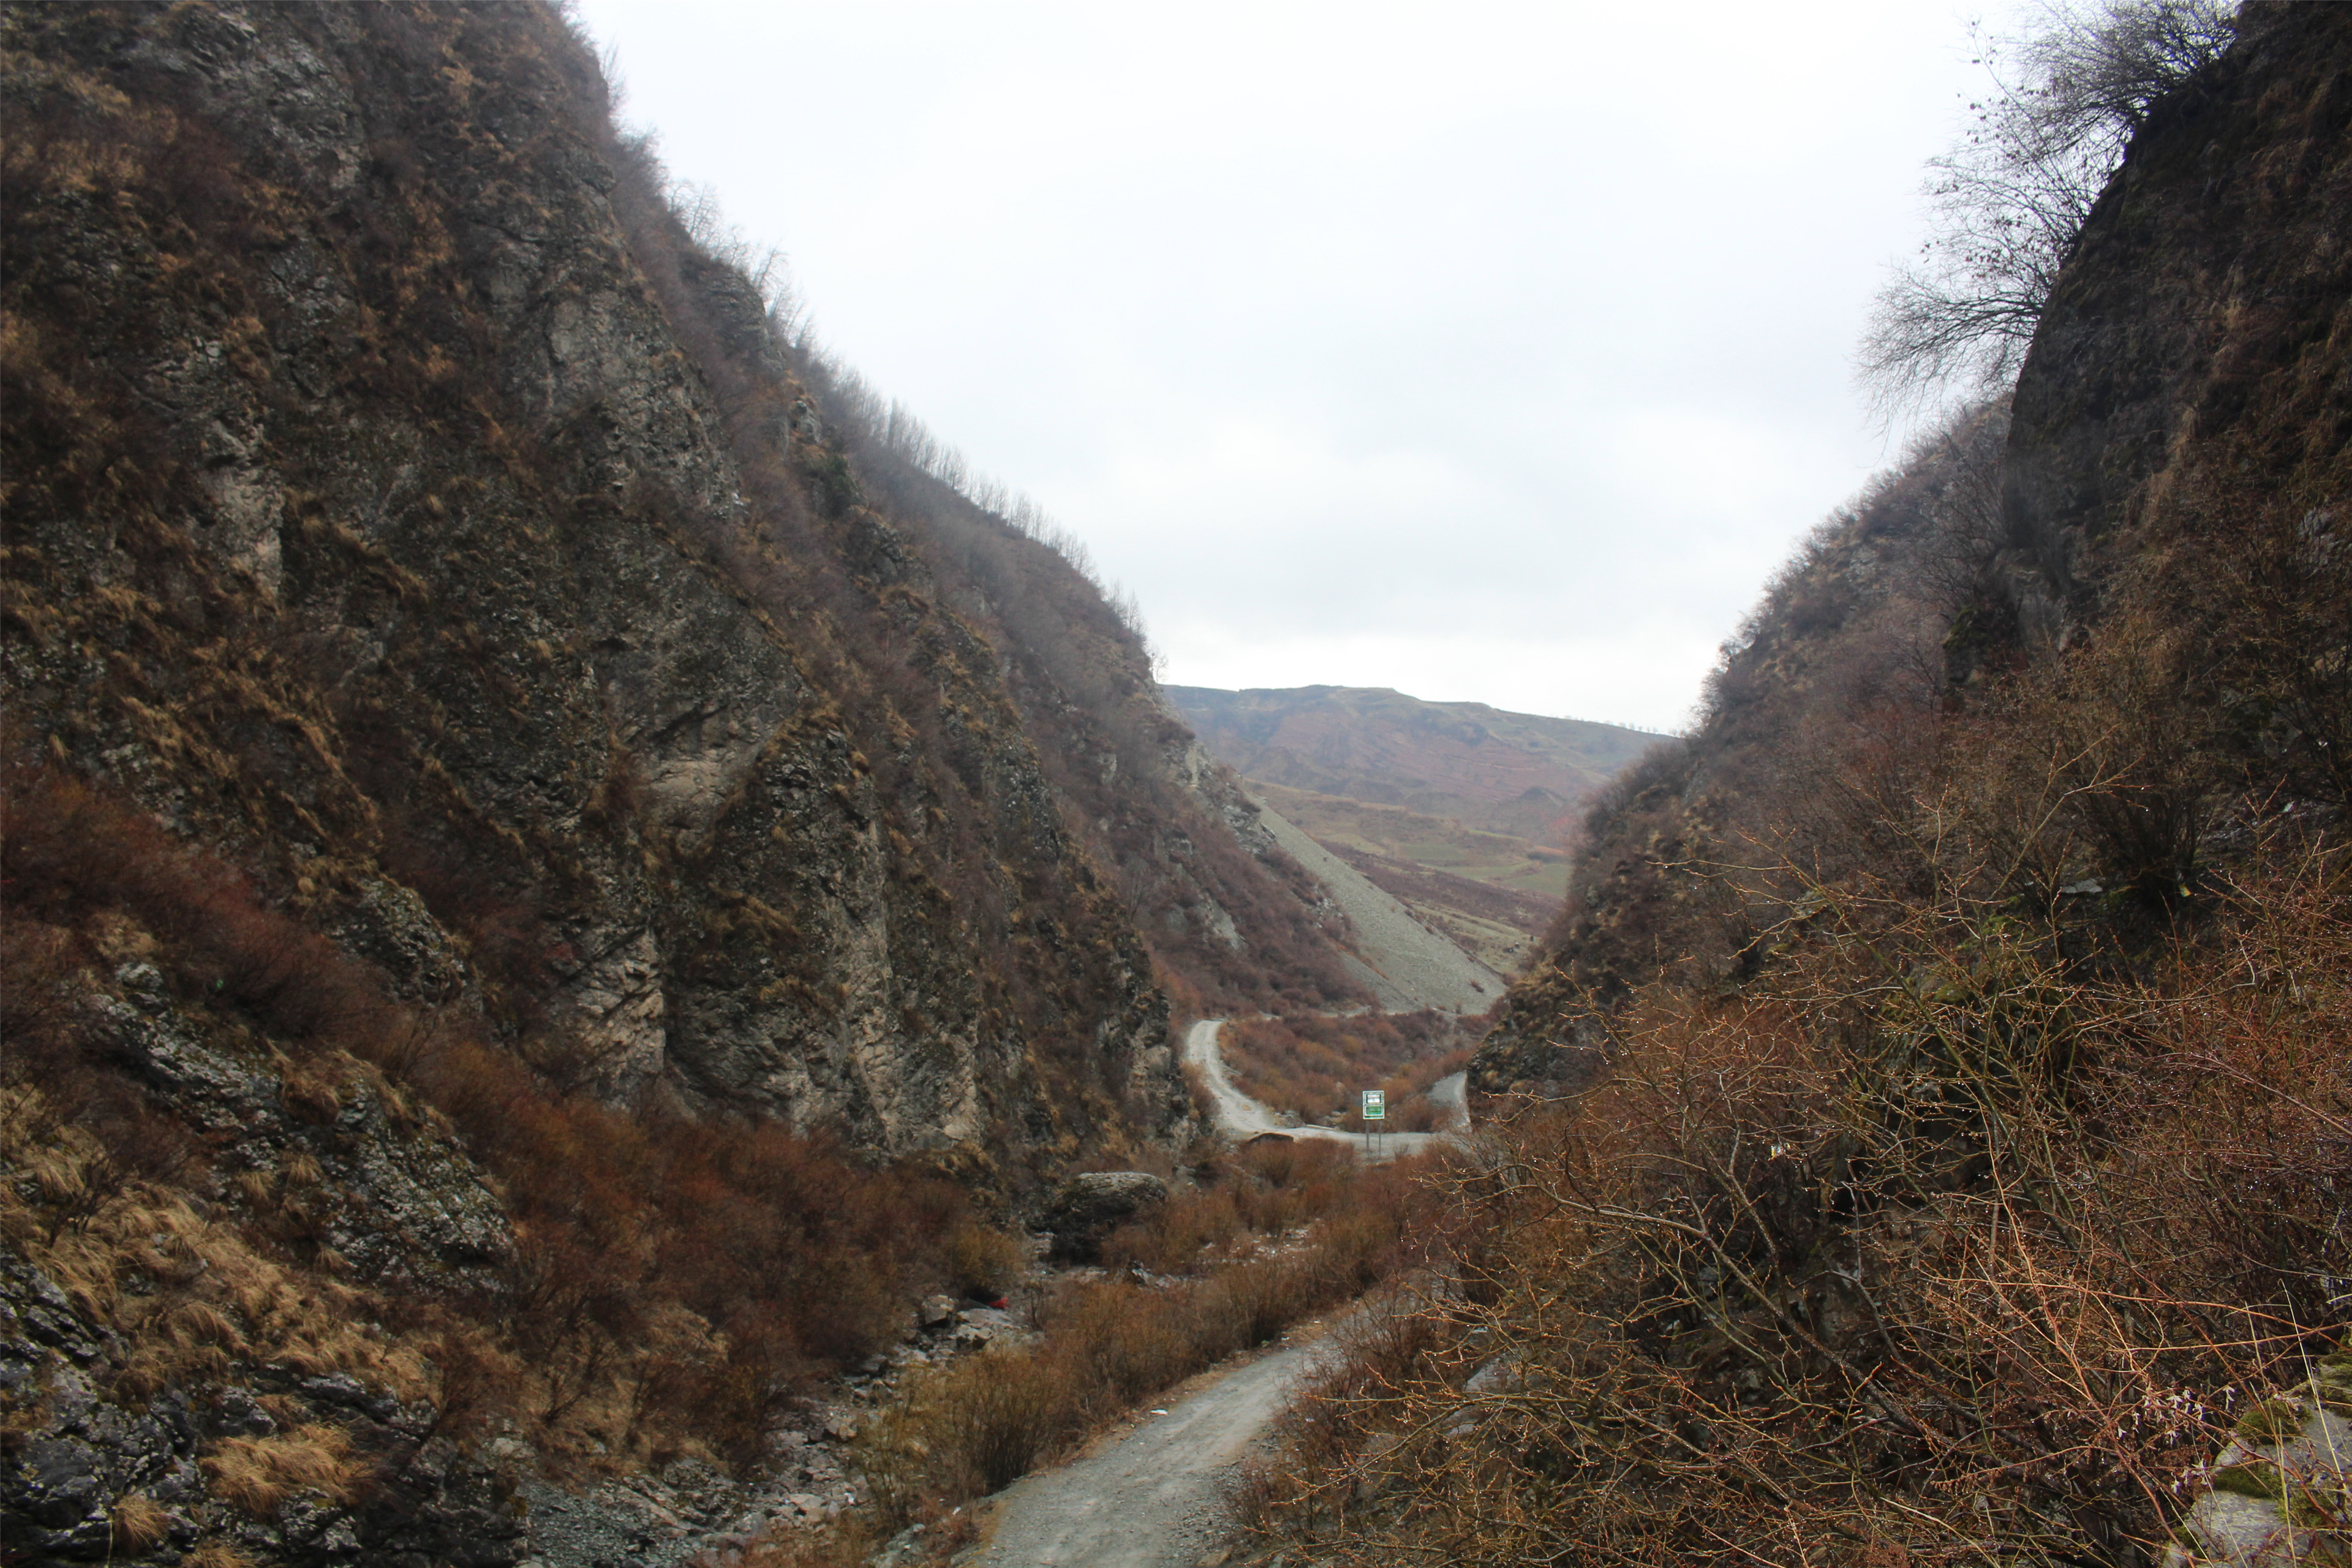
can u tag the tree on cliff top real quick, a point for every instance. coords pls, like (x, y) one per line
(2007, 202)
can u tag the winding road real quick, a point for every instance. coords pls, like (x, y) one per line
(1238, 1116)
(1154, 1495)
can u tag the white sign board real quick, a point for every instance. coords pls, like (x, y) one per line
(1375, 1105)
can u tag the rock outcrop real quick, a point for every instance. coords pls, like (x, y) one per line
(399, 495)
(1090, 1205)
(2199, 321)
(493, 651)
(2280, 1490)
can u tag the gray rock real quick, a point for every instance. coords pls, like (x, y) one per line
(1090, 1207)
(2279, 1492)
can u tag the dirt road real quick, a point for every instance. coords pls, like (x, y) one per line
(1153, 1497)
(1239, 1116)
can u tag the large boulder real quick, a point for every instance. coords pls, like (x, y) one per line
(1090, 1207)
(2279, 1492)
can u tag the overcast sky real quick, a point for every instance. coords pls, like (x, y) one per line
(1493, 353)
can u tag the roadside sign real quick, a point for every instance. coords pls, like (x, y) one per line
(1375, 1105)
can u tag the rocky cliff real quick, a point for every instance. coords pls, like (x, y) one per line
(535, 838)
(398, 496)
(2137, 554)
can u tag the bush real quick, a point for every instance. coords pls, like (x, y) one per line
(1934, 1229)
(976, 1425)
(669, 1276)
(1314, 1068)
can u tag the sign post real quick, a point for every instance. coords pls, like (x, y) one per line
(1376, 1110)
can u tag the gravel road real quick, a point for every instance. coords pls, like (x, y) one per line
(1154, 1495)
(1239, 1116)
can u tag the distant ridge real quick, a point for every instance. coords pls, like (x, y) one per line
(1460, 811)
(1519, 773)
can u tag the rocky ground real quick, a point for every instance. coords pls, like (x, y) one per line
(1408, 965)
(693, 1513)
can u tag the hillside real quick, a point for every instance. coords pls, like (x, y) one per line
(1461, 811)
(1408, 964)
(1491, 893)
(557, 873)
(1514, 774)
(1923, 1138)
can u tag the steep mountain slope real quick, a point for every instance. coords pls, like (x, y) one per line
(1491, 893)
(1839, 665)
(1931, 1144)
(521, 803)
(2170, 481)
(1458, 810)
(1407, 963)
(398, 495)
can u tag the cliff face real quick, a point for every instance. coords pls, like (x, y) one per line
(2138, 564)
(2200, 323)
(544, 857)
(398, 498)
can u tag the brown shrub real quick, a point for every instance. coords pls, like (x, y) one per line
(985, 1261)
(976, 1425)
(1315, 1068)
(791, 1251)
(1937, 1236)
(138, 1522)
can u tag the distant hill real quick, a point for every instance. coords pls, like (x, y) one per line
(1492, 893)
(1460, 810)
(1516, 773)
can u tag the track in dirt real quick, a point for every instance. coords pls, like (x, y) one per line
(1155, 1497)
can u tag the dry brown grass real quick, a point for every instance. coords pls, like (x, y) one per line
(1936, 1239)
(216, 1554)
(674, 1278)
(191, 1293)
(138, 1522)
(1293, 1236)
(258, 1475)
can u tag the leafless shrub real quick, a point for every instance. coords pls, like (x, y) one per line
(1937, 1237)
(2011, 199)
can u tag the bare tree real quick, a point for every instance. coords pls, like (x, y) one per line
(2010, 201)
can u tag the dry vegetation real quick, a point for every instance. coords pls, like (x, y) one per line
(1256, 1242)
(658, 1284)
(1933, 1133)
(1316, 1066)
(668, 1281)
(1269, 1236)
(1936, 1122)
(1937, 1237)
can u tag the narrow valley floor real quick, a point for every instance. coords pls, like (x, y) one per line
(1152, 1494)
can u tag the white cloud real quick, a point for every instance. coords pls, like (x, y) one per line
(1492, 351)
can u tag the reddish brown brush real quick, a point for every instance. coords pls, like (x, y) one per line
(788, 1254)
(1935, 1240)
